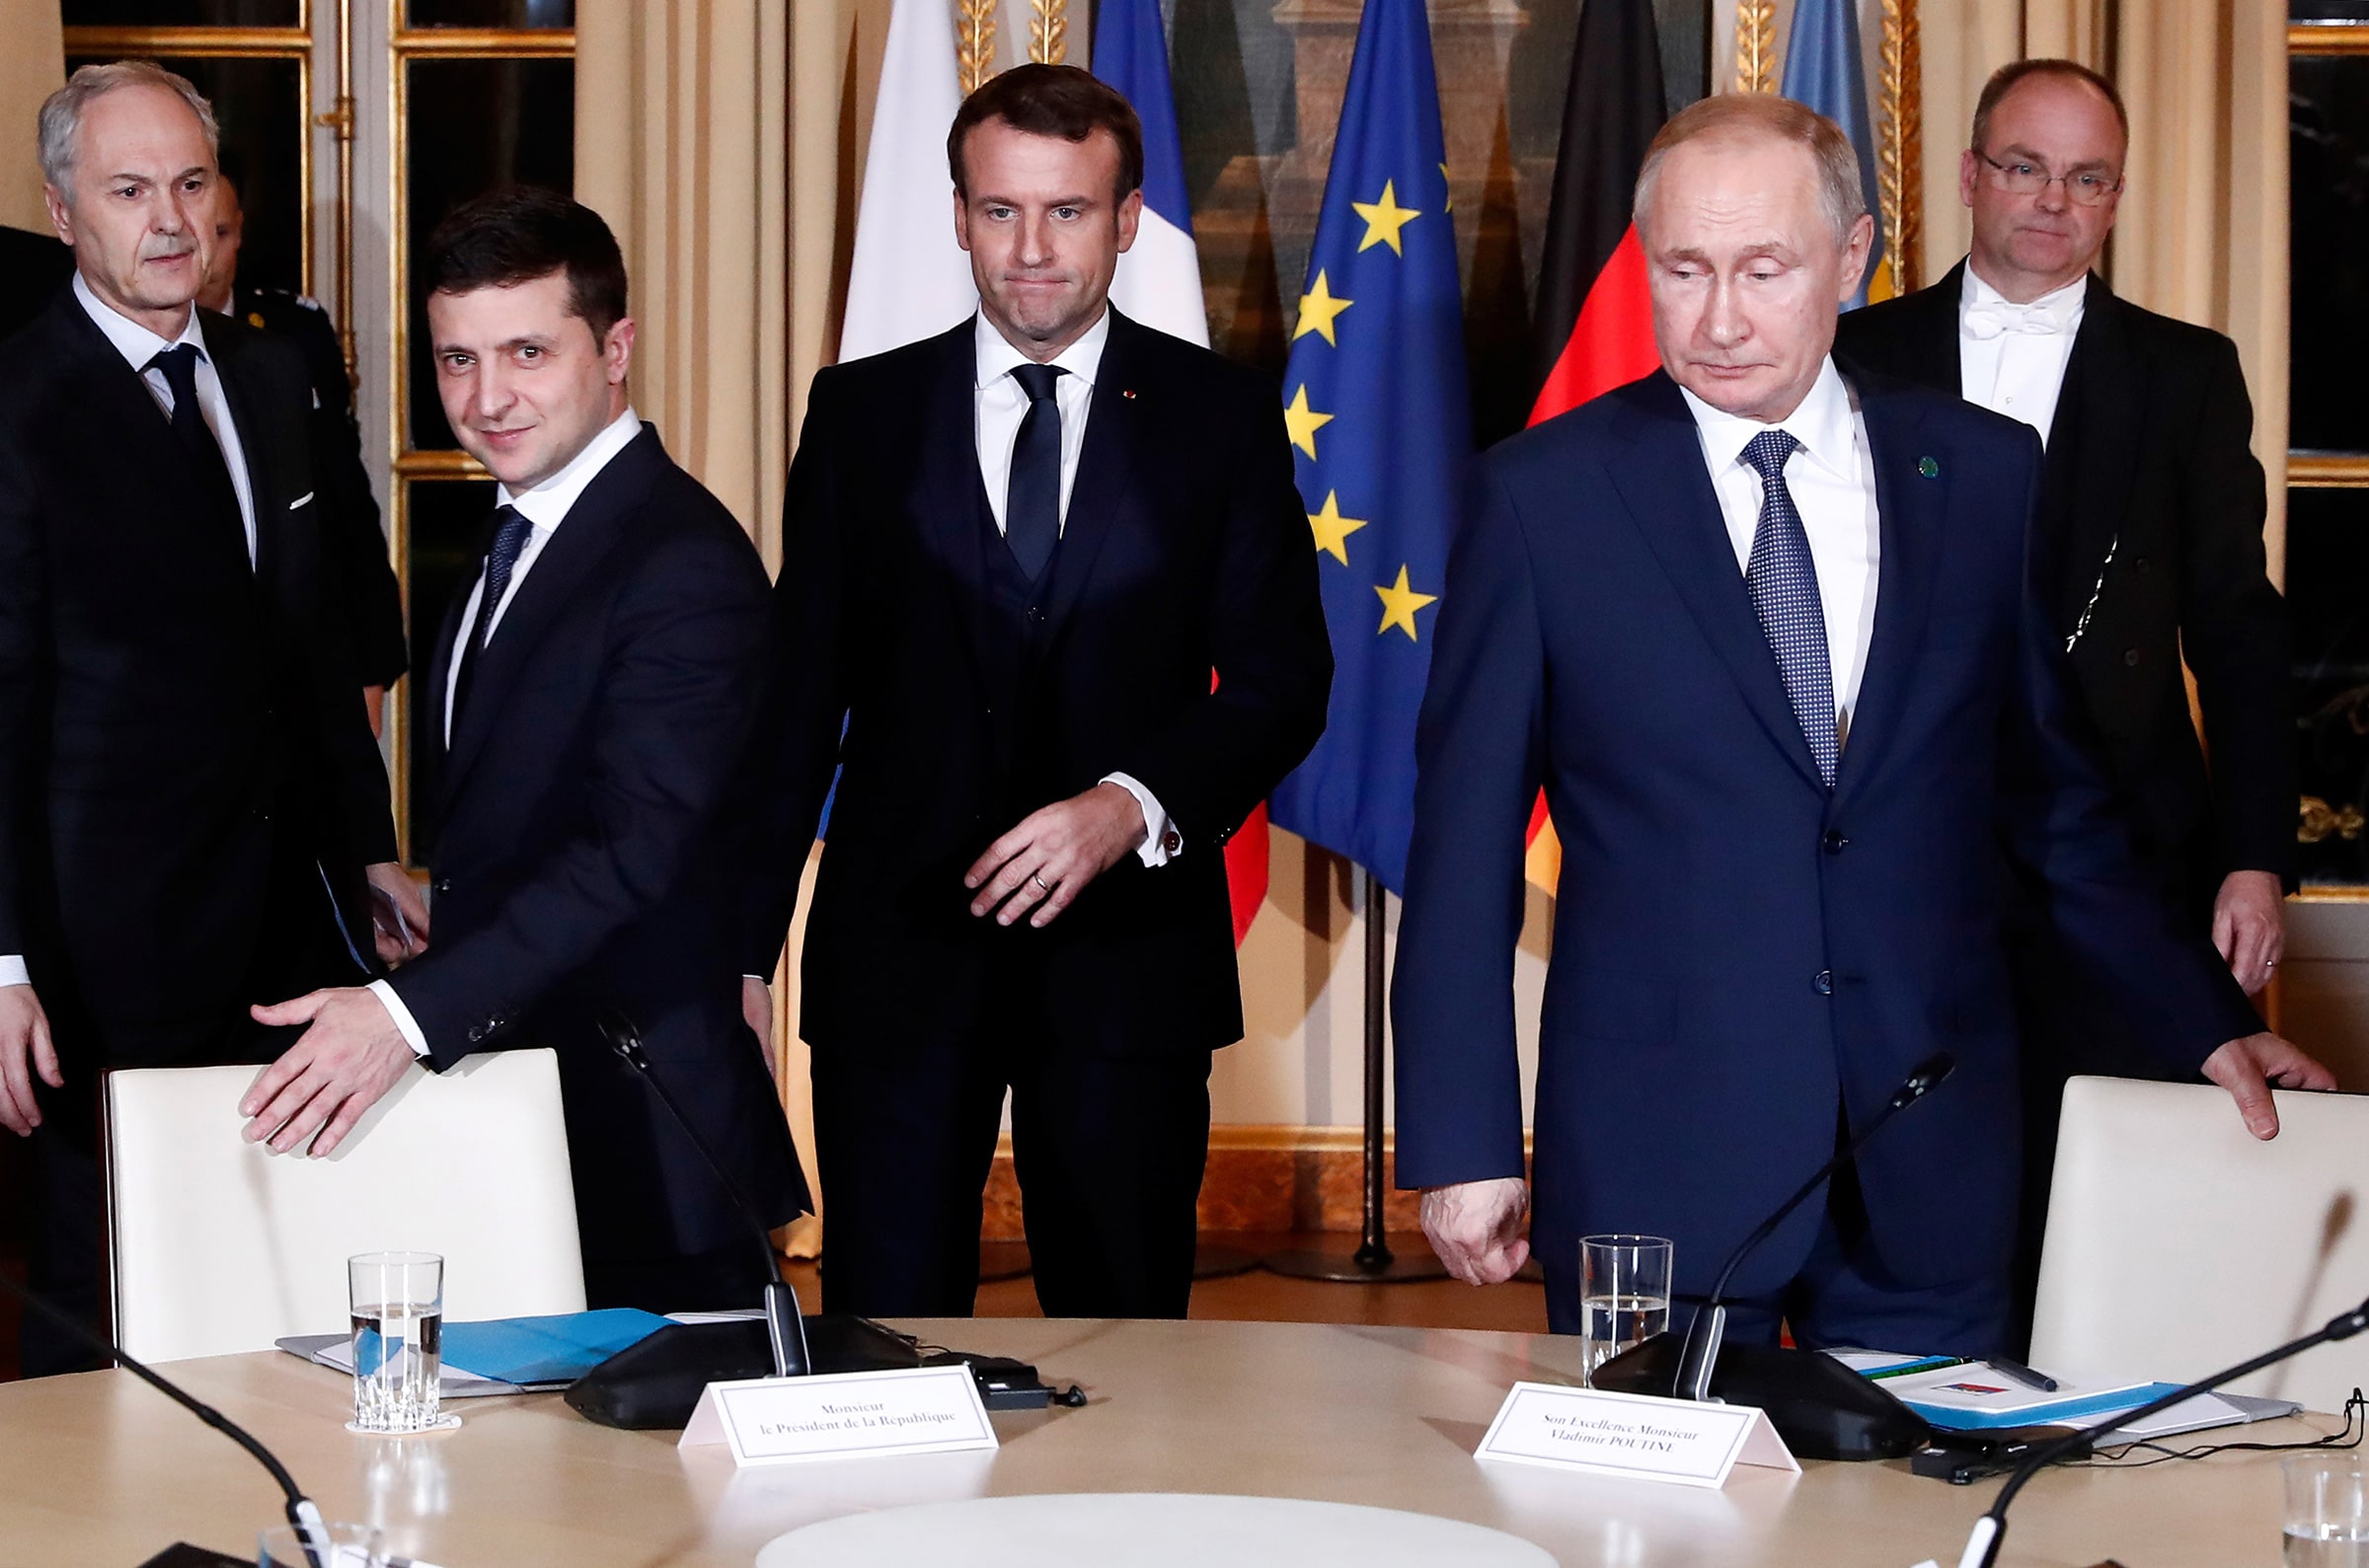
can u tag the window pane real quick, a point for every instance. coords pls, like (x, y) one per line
(2328, 136)
(260, 108)
(2328, 586)
(519, 129)
(489, 13)
(447, 522)
(181, 13)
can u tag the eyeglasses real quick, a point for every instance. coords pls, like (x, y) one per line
(2091, 188)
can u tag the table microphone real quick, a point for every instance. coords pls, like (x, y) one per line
(785, 1325)
(1982, 1545)
(1818, 1414)
(302, 1513)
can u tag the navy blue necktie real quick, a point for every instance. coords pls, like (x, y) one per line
(1784, 584)
(509, 538)
(180, 366)
(1033, 502)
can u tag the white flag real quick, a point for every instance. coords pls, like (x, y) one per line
(909, 279)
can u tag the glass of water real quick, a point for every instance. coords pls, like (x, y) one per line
(349, 1546)
(2327, 1511)
(1623, 1295)
(397, 1301)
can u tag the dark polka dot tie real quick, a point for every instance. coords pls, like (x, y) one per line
(1784, 584)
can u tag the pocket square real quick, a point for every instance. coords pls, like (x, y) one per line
(301, 500)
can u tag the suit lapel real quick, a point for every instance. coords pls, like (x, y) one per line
(2093, 447)
(584, 537)
(946, 509)
(264, 490)
(1932, 339)
(1106, 467)
(1909, 508)
(1669, 493)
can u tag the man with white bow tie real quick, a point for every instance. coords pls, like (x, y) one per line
(2150, 519)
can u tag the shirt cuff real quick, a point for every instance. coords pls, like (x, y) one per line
(404, 1021)
(13, 971)
(1161, 840)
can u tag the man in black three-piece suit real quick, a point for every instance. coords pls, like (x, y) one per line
(191, 809)
(2150, 520)
(1013, 555)
(588, 699)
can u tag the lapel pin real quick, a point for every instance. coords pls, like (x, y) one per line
(1929, 468)
(1128, 391)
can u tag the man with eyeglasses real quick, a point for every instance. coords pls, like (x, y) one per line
(2148, 544)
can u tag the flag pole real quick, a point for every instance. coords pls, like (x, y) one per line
(1372, 1263)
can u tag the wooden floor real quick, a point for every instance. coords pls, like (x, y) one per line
(1256, 1295)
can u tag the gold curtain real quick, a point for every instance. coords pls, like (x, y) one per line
(32, 67)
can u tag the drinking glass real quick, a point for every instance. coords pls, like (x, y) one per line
(397, 1299)
(1623, 1295)
(350, 1546)
(2328, 1512)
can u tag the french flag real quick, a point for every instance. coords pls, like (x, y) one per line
(1159, 283)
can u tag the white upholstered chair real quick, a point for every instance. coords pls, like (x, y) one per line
(218, 1245)
(2178, 1244)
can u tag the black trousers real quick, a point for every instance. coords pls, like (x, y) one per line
(1109, 1153)
(301, 945)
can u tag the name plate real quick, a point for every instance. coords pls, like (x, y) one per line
(843, 1416)
(1633, 1435)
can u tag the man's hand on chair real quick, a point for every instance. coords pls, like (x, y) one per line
(2247, 1066)
(24, 1050)
(337, 1070)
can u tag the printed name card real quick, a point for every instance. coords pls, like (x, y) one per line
(1637, 1436)
(843, 1416)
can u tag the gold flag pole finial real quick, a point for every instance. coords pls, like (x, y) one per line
(1899, 159)
(974, 43)
(1756, 45)
(1048, 31)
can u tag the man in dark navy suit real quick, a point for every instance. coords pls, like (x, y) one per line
(588, 699)
(1769, 641)
(1012, 556)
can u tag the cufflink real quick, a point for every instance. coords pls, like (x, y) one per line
(1170, 841)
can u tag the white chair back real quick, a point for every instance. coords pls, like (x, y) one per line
(2178, 1244)
(220, 1247)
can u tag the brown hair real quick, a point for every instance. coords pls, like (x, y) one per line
(1737, 117)
(1052, 100)
(517, 235)
(2004, 79)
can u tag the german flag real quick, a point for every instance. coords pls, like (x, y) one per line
(1595, 324)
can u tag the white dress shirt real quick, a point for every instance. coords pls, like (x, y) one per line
(545, 508)
(2010, 357)
(999, 403)
(1832, 479)
(138, 345)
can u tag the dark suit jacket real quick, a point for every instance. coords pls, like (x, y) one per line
(578, 872)
(366, 578)
(2148, 461)
(1186, 550)
(33, 268)
(1738, 950)
(160, 701)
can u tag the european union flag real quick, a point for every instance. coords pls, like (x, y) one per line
(1822, 70)
(1375, 400)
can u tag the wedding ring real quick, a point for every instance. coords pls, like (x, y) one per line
(1038, 877)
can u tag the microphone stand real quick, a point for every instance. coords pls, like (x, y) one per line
(785, 1325)
(302, 1513)
(1982, 1545)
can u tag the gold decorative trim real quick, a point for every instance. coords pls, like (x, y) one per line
(1048, 31)
(2327, 470)
(974, 43)
(1756, 45)
(453, 465)
(151, 42)
(503, 44)
(1899, 159)
(2327, 37)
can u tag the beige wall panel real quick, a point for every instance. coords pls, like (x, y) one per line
(32, 65)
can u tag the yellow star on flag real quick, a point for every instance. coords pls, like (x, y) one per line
(1333, 530)
(1303, 421)
(1384, 219)
(1319, 309)
(1447, 203)
(1398, 603)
